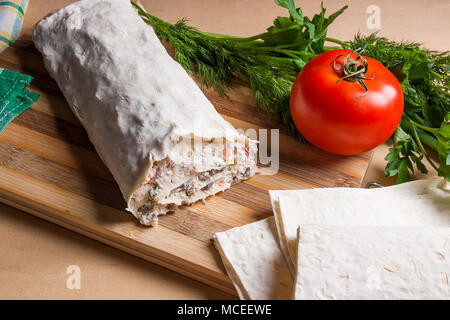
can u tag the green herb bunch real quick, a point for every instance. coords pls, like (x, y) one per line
(425, 79)
(269, 62)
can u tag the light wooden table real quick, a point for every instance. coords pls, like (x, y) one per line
(34, 254)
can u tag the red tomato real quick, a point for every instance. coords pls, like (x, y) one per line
(334, 116)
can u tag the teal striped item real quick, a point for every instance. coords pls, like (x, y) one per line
(12, 14)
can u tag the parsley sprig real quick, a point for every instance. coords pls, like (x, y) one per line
(269, 62)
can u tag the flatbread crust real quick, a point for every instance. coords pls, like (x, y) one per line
(254, 262)
(348, 262)
(414, 204)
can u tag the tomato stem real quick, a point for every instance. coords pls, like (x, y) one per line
(353, 70)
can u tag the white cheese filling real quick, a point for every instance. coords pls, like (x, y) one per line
(178, 180)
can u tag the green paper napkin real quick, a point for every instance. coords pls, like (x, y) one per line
(14, 98)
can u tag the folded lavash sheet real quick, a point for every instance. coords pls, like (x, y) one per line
(250, 251)
(254, 262)
(350, 262)
(415, 204)
(162, 140)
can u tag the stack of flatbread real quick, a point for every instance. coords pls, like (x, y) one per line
(345, 243)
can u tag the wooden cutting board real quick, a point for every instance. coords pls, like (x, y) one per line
(49, 168)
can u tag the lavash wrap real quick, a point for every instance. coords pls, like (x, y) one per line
(112, 70)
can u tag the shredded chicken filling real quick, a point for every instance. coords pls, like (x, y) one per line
(174, 182)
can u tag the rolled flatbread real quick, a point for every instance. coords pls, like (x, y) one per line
(414, 204)
(155, 130)
(254, 262)
(343, 262)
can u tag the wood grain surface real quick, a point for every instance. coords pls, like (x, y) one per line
(49, 168)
